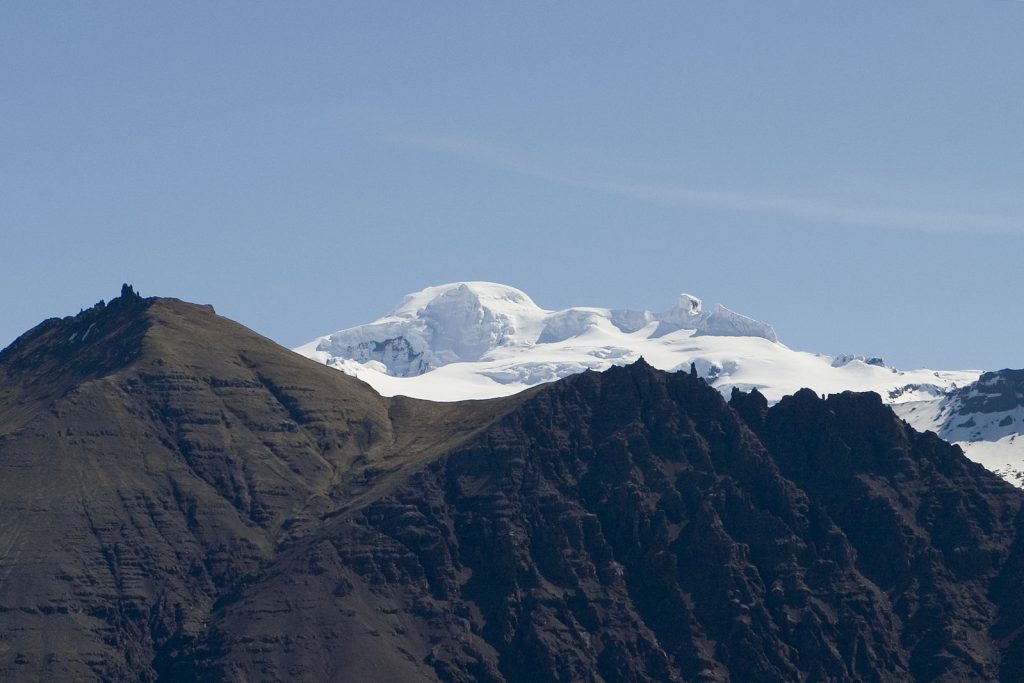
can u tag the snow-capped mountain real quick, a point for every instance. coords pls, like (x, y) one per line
(985, 418)
(480, 339)
(482, 322)
(471, 340)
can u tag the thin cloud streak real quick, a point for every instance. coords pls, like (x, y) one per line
(806, 209)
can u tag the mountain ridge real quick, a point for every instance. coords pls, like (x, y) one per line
(190, 430)
(214, 507)
(516, 344)
(483, 339)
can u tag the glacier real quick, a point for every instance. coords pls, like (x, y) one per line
(472, 340)
(477, 340)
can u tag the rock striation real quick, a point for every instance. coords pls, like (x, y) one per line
(182, 499)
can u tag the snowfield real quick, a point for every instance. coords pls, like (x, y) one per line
(994, 438)
(480, 340)
(474, 340)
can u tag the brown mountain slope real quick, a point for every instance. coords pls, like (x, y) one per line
(153, 456)
(181, 499)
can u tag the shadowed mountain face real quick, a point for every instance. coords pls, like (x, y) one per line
(182, 499)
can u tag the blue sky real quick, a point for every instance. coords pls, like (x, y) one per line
(850, 172)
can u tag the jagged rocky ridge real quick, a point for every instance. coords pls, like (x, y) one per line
(482, 339)
(181, 499)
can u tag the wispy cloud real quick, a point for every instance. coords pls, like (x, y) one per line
(811, 209)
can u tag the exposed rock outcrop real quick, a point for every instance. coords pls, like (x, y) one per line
(182, 499)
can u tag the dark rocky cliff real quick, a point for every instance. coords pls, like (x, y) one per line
(181, 499)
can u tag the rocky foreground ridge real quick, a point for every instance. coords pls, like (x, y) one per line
(182, 499)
